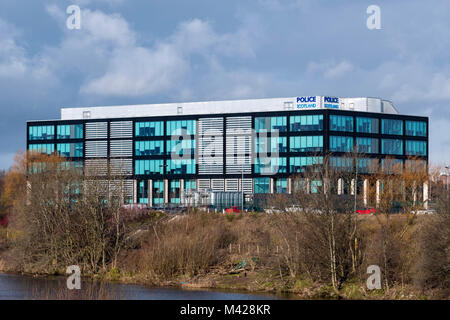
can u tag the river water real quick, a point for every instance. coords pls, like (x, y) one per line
(15, 287)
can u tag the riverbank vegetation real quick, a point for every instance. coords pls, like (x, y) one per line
(57, 219)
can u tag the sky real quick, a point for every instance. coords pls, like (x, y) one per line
(158, 51)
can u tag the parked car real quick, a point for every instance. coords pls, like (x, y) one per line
(235, 209)
(369, 211)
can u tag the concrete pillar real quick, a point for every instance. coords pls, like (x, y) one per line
(166, 191)
(425, 195)
(353, 188)
(366, 191)
(414, 193)
(272, 186)
(135, 189)
(340, 186)
(326, 185)
(150, 192)
(182, 195)
(377, 192)
(308, 186)
(289, 185)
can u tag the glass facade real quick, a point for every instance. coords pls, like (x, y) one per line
(174, 191)
(181, 147)
(341, 123)
(158, 192)
(142, 191)
(149, 129)
(270, 165)
(415, 148)
(392, 126)
(367, 125)
(301, 164)
(306, 123)
(149, 148)
(281, 185)
(306, 144)
(41, 133)
(341, 144)
(367, 165)
(148, 167)
(70, 150)
(73, 131)
(42, 148)
(262, 185)
(416, 128)
(392, 146)
(181, 127)
(391, 166)
(367, 145)
(270, 124)
(181, 166)
(341, 163)
(270, 144)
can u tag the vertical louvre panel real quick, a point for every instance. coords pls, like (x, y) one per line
(121, 129)
(232, 185)
(121, 148)
(121, 167)
(239, 145)
(217, 185)
(96, 130)
(210, 145)
(203, 184)
(96, 149)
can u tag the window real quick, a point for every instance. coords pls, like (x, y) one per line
(341, 144)
(74, 131)
(262, 185)
(415, 148)
(367, 125)
(306, 123)
(341, 163)
(190, 184)
(158, 192)
(264, 145)
(367, 145)
(415, 165)
(306, 144)
(181, 147)
(148, 167)
(149, 148)
(416, 128)
(142, 191)
(182, 166)
(281, 185)
(149, 129)
(391, 126)
(392, 146)
(341, 123)
(180, 127)
(367, 165)
(270, 124)
(70, 150)
(270, 165)
(41, 132)
(42, 148)
(174, 191)
(392, 165)
(301, 164)
(315, 186)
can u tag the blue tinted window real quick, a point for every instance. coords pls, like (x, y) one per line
(149, 167)
(181, 147)
(306, 144)
(367, 145)
(281, 185)
(174, 191)
(415, 148)
(42, 148)
(262, 185)
(367, 165)
(270, 124)
(416, 128)
(70, 150)
(181, 127)
(142, 191)
(149, 148)
(341, 144)
(306, 123)
(301, 164)
(367, 125)
(158, 192)
(392, 146)
(270, 144)
(392, 165)
(270, 165)
(182, 166)
(341, 123)
(341, 163)
(74, 131)
(41, 132)
(149, 129)
(391, 126)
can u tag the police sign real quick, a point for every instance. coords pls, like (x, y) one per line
(306, 102)
(331, 102)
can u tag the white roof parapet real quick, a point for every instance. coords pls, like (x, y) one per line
(229, 107)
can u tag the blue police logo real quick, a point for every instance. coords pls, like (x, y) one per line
(331, 100)
(306, 102)
(306, 99)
